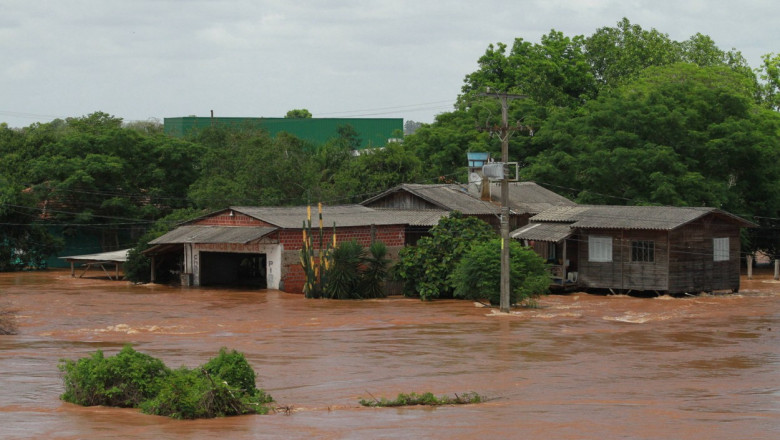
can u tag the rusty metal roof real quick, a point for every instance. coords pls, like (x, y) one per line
(554, 232)
(633, 217)
(213, 234)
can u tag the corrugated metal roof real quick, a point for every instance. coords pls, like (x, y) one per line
(632, 217)
(114, 256)
(342, 215)
(448, 197)
(554, 232)
(529, 198)
(213, 234)
(416, 217)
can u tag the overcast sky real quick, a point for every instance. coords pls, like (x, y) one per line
(142, 59)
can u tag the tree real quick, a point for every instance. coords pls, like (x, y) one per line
(298, 114)
(371, 172)
(678, 135)
(24, 242)
(348, 136)
(478, 275)
(248, 167)
(427, 267)
(618, 54)
(411, 126)
(769, 72)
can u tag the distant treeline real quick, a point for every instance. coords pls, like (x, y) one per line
(623, 116)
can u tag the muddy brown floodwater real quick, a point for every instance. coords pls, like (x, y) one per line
(581, 366)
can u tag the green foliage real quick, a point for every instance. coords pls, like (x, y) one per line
(375, 271)
(478, 275)
(224, 386)
(427, 399)
(769, 73)
(197, 394)
(345, 273)
(427, 267)
(230, 169)
(356, 274)
(23, 242)
(124, 380)
(298, 113)
(371, 172)
(677, 135)
(233, 368)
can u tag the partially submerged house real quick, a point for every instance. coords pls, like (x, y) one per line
(525, 200)
(260, 246)
(639, 248)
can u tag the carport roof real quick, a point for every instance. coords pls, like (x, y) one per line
(213, 234)
(553, 232)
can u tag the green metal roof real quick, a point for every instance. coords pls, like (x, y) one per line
(374, 132)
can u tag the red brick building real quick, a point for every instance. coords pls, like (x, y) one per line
(260, 246)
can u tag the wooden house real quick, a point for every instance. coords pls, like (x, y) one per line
(525, 200)
(639, 248)
(260, 246)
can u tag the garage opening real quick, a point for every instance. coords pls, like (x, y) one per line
(233, 269)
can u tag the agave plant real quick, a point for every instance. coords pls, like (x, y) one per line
(345, 273)
(375, 271)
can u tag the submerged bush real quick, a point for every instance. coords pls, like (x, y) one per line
(428, 399)
(224, 386)
(196, 394)
(124, 380)
(478, 275)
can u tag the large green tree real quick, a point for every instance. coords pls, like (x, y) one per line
(678, 135)
(248, 167)
(94, 172)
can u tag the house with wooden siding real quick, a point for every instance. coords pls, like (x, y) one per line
(639, 248)
(525, 200)
(260, 246)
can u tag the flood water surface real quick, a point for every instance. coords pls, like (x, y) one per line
(579, 366)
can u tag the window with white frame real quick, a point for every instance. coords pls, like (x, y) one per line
(720, 249)
(599, 248)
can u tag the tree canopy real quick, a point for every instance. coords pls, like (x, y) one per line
(298, 113)
(626, 115)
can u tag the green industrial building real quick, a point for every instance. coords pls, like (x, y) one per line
(373, 132)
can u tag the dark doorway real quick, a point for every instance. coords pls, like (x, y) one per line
(233, 269)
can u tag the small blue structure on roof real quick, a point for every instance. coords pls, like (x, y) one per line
(477, 160)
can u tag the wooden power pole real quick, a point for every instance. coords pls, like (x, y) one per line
(504, 132)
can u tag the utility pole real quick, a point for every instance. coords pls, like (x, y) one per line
(504, 132)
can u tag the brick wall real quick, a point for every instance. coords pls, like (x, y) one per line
(292, 239)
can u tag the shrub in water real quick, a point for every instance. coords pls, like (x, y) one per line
(427, 399)
(124, 380)
(195, 394)
(233, 368)
(478, 275)
(224, 386)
